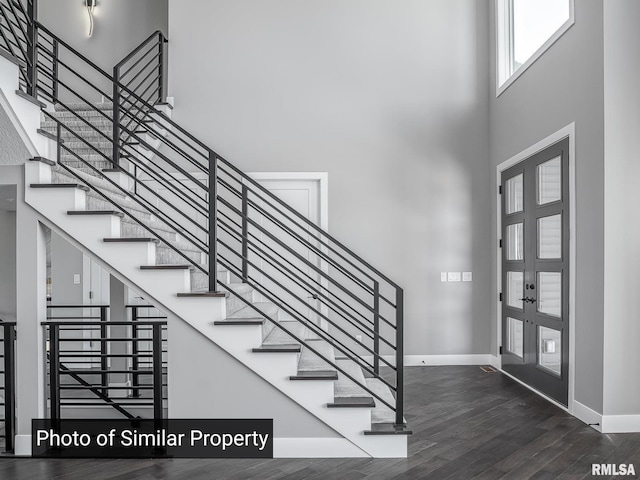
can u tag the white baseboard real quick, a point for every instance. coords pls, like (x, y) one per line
(587, 415)
(22, 445)
(316, 448)
(441, 360)
(495, 362)
(620, 423)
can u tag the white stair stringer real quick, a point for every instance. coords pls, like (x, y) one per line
(124, 259)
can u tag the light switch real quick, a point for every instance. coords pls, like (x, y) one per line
(467, 276)
(76, 279)
(443, 276)
(453, 277)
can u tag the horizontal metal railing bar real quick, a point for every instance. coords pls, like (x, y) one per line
(313, 350)
(107, 323)
(72, 318)
(297, 315)
(308, 244)
(78, 306)
(135, 77)
(157, 33)
(283, 204)
(310, 289)
(137, 62)
(296, 255)
(93, 385)
(71, 371)
(71, 90)
(119, 404)
(122, 209)
(88, 354)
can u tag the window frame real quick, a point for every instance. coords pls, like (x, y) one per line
(504, 44)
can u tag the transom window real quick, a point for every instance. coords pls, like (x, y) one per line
(525, 29)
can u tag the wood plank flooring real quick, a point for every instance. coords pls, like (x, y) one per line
(467, 424)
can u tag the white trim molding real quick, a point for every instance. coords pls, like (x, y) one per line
(587, 415)
(316, 448)
(620, 423)
(566, 132)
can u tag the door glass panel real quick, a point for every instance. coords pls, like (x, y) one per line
(550, 349)
(550, 293)
(515, 283)
(550, 237)
(515, 336)
(515, 242)
(514, 200)
(549, 179)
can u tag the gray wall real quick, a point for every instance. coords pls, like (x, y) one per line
(7, 259)
(565, 85)
(391, 99)
(66, 260)
(622, 231)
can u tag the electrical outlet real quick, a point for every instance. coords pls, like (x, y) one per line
(76, 279)
(443, 276)
(467, 276)
(453, 277)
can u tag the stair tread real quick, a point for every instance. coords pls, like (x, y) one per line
(280, 337)
(277, 349)
(95, 212)
(388, 429)
(310, 361)
(345, 387)
(316, 375)
(60, 185)
(353, 402)
(381, 413)
(248, 312)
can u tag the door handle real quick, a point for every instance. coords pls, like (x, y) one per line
(528, 299)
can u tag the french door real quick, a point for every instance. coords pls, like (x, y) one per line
(535, 271)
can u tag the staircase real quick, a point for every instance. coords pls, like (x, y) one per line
(209, 244)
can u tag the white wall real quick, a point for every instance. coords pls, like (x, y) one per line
(622, 230)
(391, 99)
(565, 85)
(12, 151)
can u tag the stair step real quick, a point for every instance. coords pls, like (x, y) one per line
(269, 310)
(165, 267)
(345, 387)
(279, 337)
(60, 185)
(388, 429)
(131, 240)
(44, 160)
(277, 349)
(202, 294)
(316, 375)
(95, 212)
(381, 413)
(239, 294)
(309, 361)
(241, 321)
(29, 98)
(352, 402)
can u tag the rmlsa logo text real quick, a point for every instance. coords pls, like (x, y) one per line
(609, 469)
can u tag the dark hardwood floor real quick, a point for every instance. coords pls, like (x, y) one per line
(467, 424)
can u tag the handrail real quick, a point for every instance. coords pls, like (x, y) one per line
(133, 53)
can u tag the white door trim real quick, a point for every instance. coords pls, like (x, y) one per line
(570, 132)
(321, 177)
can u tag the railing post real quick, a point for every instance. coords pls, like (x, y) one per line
(213, 217)
(161, 69)
(32, 48)
(376, 327)
(135, 351)
(9, 337)
(245, 233)
(399, 357)
(116, 117)
(104, 365)
(55, 70)
(157, 371)
(54, 374)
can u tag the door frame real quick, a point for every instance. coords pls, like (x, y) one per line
(568, 131)
(323, 214)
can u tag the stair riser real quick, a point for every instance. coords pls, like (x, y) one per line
(234, 303)
(200, 281)
(167, 256)
(134, 230)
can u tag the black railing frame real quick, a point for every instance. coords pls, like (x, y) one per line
(9, 365)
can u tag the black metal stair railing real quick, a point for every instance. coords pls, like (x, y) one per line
(7, 384)
(94, 361)
(222, 217)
